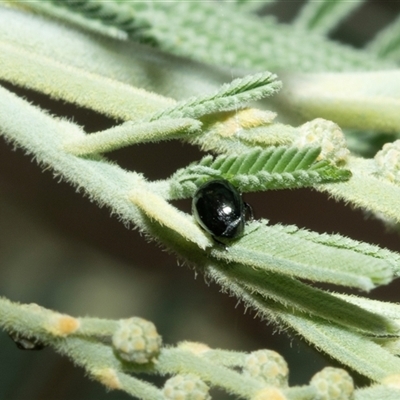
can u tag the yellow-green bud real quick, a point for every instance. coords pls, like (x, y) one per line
(136, 340)
(388, 162)
(186, 387)
(333, 384)
(327, 135)
(268, 366)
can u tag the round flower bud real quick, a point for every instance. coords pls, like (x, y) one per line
(136, 340)
(327, 135)
(333, 384)
(387, 161)
(268, 366)
(186, 387)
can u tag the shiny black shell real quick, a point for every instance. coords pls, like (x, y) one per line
(219, 209)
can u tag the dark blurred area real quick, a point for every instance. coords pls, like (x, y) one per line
(63, 252)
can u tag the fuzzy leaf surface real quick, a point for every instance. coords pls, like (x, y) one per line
(351, 348)
(368, 191)
(276, 248)
(297, 296)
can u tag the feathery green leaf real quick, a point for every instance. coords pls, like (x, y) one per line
(177, 121)
(258, 169)
(115, 14)
(196, 29)
(231, 96)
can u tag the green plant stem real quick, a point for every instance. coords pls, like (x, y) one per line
(177, 361)
(131, 133)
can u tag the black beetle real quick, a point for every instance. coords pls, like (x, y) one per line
(25, 343)
(219, 209)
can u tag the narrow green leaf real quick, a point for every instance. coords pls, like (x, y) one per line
(384, 308)
(352, 349)
(239, 163)
(274, 159)
(309, 156)
(254, 166)
(391, 344)
(298, 296)
(227, 164)
(285, 160)
(295, 161)
(247, 164)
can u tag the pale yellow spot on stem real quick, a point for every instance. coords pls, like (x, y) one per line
(269, 394)
(62, 325)
(244, 119)
(108, 378)
(392, 380)
(194, 347)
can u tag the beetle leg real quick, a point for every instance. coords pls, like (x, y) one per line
(248, 212)
(220, 244)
